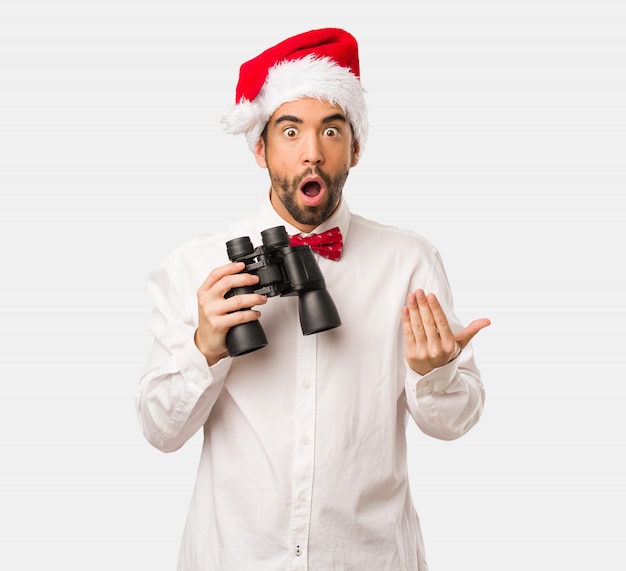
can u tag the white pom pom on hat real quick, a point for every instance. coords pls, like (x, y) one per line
(321, 64)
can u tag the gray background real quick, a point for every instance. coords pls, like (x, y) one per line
(498, 131)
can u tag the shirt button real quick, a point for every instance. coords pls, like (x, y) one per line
(302, 497)
(304, 439)
(306, 384)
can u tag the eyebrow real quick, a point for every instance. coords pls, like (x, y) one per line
(293, 119)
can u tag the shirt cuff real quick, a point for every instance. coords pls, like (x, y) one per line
(436, 381)
(195, 369)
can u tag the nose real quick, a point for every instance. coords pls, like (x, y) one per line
(312, 150)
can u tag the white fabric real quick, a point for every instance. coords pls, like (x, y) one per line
(304, 461)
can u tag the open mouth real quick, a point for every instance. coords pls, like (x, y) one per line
(311, 189)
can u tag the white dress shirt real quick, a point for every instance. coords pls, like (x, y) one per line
(304, 461)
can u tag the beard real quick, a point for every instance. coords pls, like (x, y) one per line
(287, 190)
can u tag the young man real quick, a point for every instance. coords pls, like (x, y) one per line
(304, 461)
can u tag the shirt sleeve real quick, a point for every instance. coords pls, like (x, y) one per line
(177, 389)
(448, 401)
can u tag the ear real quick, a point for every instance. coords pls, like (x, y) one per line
(356, 153)
(259, 153)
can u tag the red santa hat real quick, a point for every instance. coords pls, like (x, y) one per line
(321, 64)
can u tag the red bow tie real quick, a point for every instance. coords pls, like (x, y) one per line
(328, 244)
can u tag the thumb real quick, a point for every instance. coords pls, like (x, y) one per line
(465, 336)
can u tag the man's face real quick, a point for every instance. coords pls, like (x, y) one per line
(308, 151)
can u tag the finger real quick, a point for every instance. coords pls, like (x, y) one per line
(414, 317)
(242, 301)
(407, 327)
(220, 272)
(465, 336)
(218, 285)
(441, 323)
(426, 315)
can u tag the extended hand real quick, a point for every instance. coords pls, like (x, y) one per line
(428, 340)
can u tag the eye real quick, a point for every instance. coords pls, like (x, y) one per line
(290, 132)
(331, 132)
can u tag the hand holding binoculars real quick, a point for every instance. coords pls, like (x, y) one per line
(282, 270)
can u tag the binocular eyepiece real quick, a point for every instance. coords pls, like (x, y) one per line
(283, 270)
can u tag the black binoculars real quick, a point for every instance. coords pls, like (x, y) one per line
(283, 270)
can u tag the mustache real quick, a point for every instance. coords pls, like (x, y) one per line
(313, 171)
